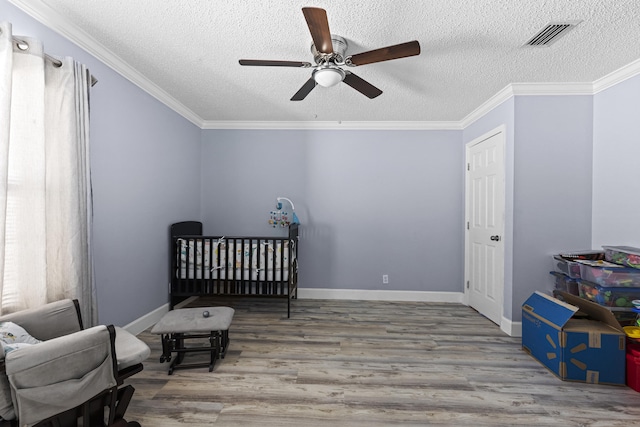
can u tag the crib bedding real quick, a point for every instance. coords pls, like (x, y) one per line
(237, 259)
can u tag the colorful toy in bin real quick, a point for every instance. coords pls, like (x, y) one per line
(567, 262)
(608, 296)
(636, 309)
(623, 255)
(605, 273)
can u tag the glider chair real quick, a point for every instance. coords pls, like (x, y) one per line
(53, 372)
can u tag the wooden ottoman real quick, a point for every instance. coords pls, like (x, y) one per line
(187, 323)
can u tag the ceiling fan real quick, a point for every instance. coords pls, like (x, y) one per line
(329, 56)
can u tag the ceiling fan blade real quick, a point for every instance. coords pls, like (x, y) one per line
(386, 53)
(304, 90)
(319, 28)
(268, 63)
(361, 85)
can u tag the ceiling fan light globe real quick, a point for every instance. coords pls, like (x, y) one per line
(329, 76)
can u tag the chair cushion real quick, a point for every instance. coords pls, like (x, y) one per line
(129, 349)
(48, 321)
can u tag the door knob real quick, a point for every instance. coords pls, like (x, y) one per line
(495, 238)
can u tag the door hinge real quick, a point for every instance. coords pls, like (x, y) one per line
(467, 284)
(468, 166)
(467, 225)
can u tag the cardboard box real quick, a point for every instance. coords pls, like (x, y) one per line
(588, 347)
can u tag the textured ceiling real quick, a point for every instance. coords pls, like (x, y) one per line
(186, 52)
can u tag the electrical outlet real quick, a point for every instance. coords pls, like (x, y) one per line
(385, 279)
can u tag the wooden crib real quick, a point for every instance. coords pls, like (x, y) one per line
(232, 265)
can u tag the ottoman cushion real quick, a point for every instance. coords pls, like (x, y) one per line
(185, 320)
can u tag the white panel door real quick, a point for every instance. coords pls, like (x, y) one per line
(485, 207)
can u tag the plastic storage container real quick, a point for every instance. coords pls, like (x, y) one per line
(608, 296)
(623, 255)
(562, 282)
(625, 316)
(566, 262)
(608, 274)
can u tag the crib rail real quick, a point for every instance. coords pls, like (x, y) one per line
(234, 266)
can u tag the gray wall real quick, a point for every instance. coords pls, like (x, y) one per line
(370, 202)
(552, 186)
(144, 162)
(616, 170)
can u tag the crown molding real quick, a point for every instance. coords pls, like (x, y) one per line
(619, 75)
(491, 103)
(533, 89)
(52, 19)
(526, 89)
(333, 125)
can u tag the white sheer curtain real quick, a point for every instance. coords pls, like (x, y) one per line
(45, 188)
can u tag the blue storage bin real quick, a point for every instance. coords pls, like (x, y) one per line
(608, 274)
(562, 282)
(607, 295)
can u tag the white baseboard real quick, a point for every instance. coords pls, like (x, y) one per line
(379, 295)
(145, 322)
(511, 328)
(148, 320)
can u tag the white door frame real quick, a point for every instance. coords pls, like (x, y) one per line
(487, 135)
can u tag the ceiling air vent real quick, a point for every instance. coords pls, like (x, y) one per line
(551, 33)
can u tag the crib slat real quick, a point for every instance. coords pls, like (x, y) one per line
(229, 266)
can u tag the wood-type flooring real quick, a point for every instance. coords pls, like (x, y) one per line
(369, 364)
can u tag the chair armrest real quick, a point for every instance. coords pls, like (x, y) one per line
(48, 321)
(60, 374)
(130, 350)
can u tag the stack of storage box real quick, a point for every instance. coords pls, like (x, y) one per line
(614, 282)
(629, 258)
(567, 269)
(610, 278)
